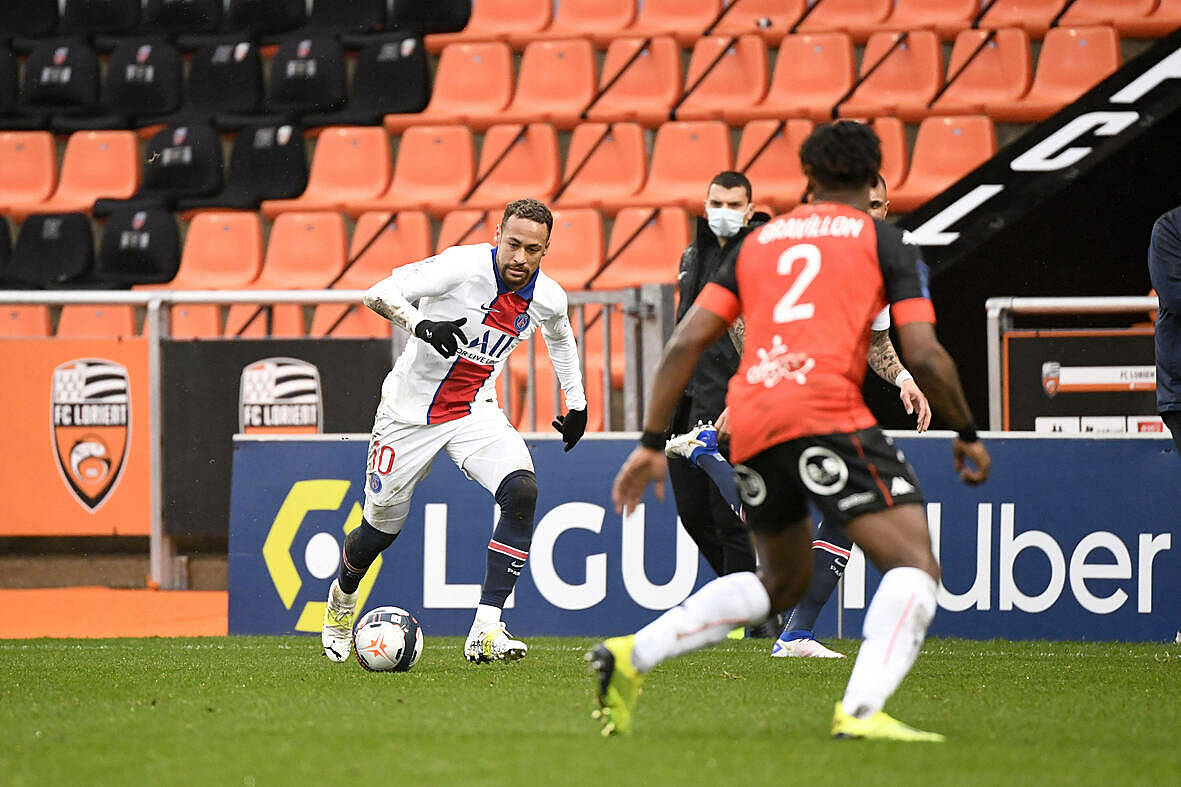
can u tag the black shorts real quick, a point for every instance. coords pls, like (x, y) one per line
(845, 475)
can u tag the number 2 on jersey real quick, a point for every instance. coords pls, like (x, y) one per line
(788, 309)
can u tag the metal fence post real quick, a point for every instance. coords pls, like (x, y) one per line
(163, 561)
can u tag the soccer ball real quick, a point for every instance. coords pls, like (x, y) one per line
(387, 639)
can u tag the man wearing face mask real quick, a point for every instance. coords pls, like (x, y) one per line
(705, 514)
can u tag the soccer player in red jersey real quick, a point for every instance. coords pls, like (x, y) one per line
(808, 284)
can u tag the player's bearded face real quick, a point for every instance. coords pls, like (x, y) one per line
(520, 245)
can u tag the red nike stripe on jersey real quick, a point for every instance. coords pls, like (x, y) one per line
(720, 301)
(912, 310)
(454, 396)
(507, 307)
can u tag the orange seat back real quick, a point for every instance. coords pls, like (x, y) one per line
(612, 168)
(524, 165)
(576, 247)
(895, 162)
(222, 251)
(28, 166)
(466, 226)
(737, 79)
(305, 251)
(556, 82)
(898, 79)
(685, 157)
(946, 17)
(350, 163)
(946, 149)
(769, 18)
(99, 164)
(999, 71)
(812, 72)
(776, 174)
(592, 17)
(653, 253)
(96, 322)
(1073, 60)
(435, 164)
(856, 17)
(647, 90)
(24, 321)
(472, 78)
(1034, 16)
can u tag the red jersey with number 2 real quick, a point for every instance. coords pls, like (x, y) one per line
(809, 283)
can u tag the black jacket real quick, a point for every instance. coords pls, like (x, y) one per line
(1164, 269)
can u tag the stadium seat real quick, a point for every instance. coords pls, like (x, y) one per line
(90, 17)
(686, 20)
(772, 19)
(1072, 61)
(435, 169)
(556, 83)
(576, 247)
(685, 157)
(307, 75)
(473, 83)
(28, 19)
(769, 154)
(5, 247)
(982, 74)
(946, 149)
(1164, 19)
(143, 79)
(225, 79)
(60, 78)
(1034, 16)
(96, 322)
(590, 337)
(8, 70)
(496, 20)
(96, 164)
(897, 80)
(858, 18)
(645, 245)
(606, 162)
(52, 251)
(137, 247)
(442, 16)
(812, 72)
(259, 18)
(1115, 13)
(892, 133)
(351, 164)
(267, 163)
(181, 161)
(173, 17)
(946, 17)
(464, 227)
(24, 322)
(512, 165)
(28, 168)
(305, 252)
(549, 404)
(392, 76)
(723, 74)
(599, 20)
(347, 17)
(649, 87)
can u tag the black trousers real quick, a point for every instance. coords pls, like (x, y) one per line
(1172, 419)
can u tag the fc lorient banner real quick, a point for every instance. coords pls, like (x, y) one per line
(1071, 538)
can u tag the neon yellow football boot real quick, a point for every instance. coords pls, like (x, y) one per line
(879, 726)
(619, 683)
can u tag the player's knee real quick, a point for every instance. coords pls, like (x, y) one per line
(517, 496)
(387, 518)
(367, 542)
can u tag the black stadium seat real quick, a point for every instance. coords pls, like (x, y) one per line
(137, 247)
(268, 162)
(223, 78)
(392, 75)
(436, 16)
(264, 17)
(181, 161)
(181, 16)
(346, 17)
(143, 78)
(52, 250)
(7, 79)
(28, 18)
(5, 248)
(93, 17)
(307, 75)
(60, 78)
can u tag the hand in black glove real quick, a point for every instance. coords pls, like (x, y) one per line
(443, 336)
(571, 426)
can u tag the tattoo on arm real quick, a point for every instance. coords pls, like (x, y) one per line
(882, 357)
(390, 312)
(737, 333)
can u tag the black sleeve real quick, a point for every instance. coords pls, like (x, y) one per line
(727, 273)
(903, 270)
(1164, 259)
(686, 275)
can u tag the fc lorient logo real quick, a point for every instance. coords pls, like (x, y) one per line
(280, 395)
(91, 417)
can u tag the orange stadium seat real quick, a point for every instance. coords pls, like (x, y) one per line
(946, 17)
(892, 132)
(684, 19)
(599, 20)
(591, 337)
(1116, 13)
(473, 83)
(946, 149)
(858, 18)
(96, 322)
(685, 157)
(1034, 16)
(96, 164)
(772, 19)
(647, 90)
(812, 73)
(903, 79)
(737, 79)
(654, 242)
(1164, 19)
(27, 322)
(576, 247)
(305, 251)
(556, 83)
(605, 162)
(1073, 60)
(548, 402)
(464, 227)
(494, 20)
(529, 166)
(982, 73)
(28, 168)
(351, 164)
(436, 167)
(769, 154)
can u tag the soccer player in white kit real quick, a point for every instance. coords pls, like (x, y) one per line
(441, 395)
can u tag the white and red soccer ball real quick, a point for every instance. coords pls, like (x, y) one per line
(387, 639)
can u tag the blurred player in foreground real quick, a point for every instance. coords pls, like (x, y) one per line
(441, 395)
(809, 284)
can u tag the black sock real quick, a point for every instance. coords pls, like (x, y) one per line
(361, 548)
(509, 546)
(830, 553)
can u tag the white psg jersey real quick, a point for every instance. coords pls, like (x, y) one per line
(463, 281)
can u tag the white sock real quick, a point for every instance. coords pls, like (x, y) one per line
(702, 619)
(485, 613)
(894, 628)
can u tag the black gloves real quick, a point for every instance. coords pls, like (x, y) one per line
(571, 426)
(443, 336)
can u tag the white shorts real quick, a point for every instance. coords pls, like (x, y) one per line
(484, 445)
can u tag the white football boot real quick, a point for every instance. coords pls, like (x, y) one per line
(803, 649)
(337, 633)
(492, 642)
(701, 439)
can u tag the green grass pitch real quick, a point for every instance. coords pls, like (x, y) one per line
(271, 710)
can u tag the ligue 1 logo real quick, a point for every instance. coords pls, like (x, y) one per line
(90, 414)
(280, 395)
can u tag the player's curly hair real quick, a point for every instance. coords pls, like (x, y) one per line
(845, 154)
(528, 208)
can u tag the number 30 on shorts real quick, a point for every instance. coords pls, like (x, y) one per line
(381, 458)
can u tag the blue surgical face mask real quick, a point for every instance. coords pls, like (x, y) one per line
(725, 222)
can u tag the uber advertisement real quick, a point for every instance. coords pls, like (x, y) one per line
(1069, 539)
